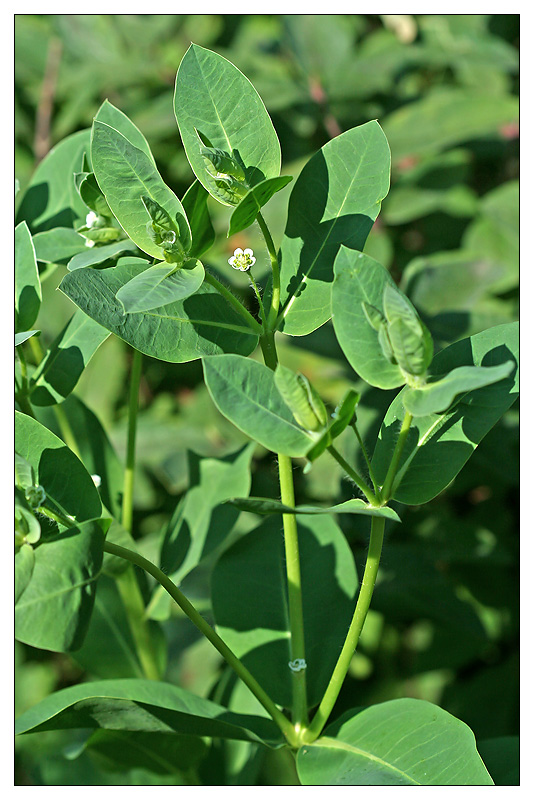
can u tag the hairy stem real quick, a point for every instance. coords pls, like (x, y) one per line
(275, 296)
(182, 601)
(362, 607)
(395, 459)
(355, 476)
(234, 302)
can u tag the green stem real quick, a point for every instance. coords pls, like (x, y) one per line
(362, 607)
(366, 456)
(235, 303)
(135, 611)
(24, 403)
(275, 295)
(127, 496)
(67, 434)
(358, 480)
(395, 459)
(260, 302)
(182, 601)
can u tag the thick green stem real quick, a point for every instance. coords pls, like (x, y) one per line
(182, 601)
(134, 606)
(275, 296)
(358, 480)
(127, 496)
(294, 592)
(395, 459)
(235, 303)
(362, 607)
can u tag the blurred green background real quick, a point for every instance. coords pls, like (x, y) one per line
(444, 624)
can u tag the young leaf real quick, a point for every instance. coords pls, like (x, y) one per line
(160, 285)
(249, 602)
(438, 445)
(435, 398)
(194, 202)
(95, 256)
(143, 705)
(247, 210)
(58, 245)
(51, 199)
(398, 743)
(245, 392)
(125, 174)
(261, 505)
(54, 610)
(51, 460)
(215, 101)
(203, 324)
(68, 355)
(159, 753)
(359, 284)
(334, 202)
(27, 284)
(23, 336)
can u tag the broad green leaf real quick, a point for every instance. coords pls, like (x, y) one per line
(24, 564)
(435, 398)
(23, 336)
(51, 199)
(438, 446)
(28, 294)
(51, 461)
(161, 753)
(95, 256)
(212, 97)
(203, 324)
(59, 245)
(249, 601)
(161, 285)
(246, 212)
(245, 392)
(195, 206)
(501, 757)
(360, 279)
(125, 174)
(261, 505)
(144, 706)
(59, 371)
(445, 117)
(398, 743)
(334, 202)
(115, 118)
(54, 611)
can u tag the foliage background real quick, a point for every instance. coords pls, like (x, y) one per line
(444, 620)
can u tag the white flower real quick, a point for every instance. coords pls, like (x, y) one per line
(97, 480)
(90, 219)
(242, 260)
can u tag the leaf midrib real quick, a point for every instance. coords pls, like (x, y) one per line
(334, 744)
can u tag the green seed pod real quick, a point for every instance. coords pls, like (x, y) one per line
(301, 398)
(222, 164)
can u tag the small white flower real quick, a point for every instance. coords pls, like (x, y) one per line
(90, 219)
(242, 260)
(89, 242)
(97, 480)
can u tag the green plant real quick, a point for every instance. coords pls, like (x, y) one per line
(133, 253)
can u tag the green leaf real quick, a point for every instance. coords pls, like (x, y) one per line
(435, 398)
(247, 210)
(144, 706)
(160, 285)
(261, 505)
(212, 97)
(341, 417)
(360, 279)
(195, 206)
(245, 392)
(249, 601)
(115, 118)
(28, 294)
(125, 174)
(23, 336)
(501, 757)
(24, 564)
(200, 523)
(95, 256)
(51, 199)
(51, 460)
(334, 202)
(438, 446)
(58, 245)
(65, 360)
(399, 743)
(161, 753)
(54, 611)
(203, 324)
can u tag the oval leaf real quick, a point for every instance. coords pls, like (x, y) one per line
(27, 284)
(160, 285)
(399, 743)
(247, 210)
(115, 118)
(334, 201)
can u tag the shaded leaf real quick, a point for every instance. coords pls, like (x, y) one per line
(28, 294)
(261, 505)
(195, 206)
(247, 210)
